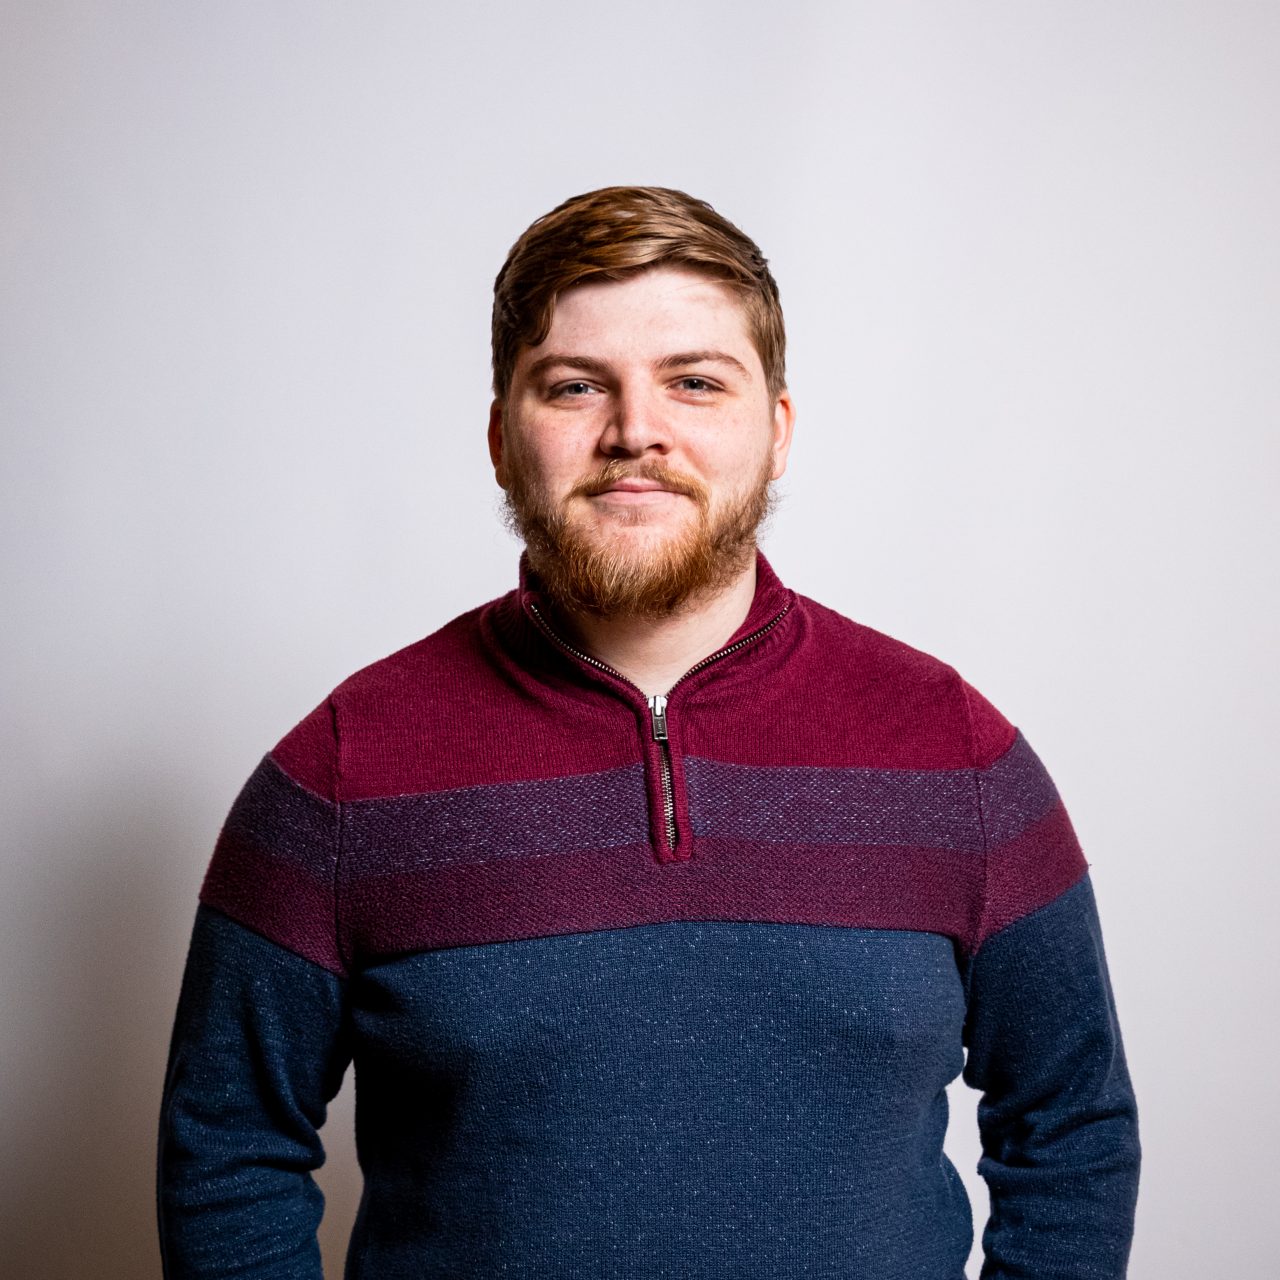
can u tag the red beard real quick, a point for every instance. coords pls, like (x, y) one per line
(581, 571)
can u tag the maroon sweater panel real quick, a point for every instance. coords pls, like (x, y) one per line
(488, 698)
(483, 784)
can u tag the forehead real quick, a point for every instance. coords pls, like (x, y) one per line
(654, 312)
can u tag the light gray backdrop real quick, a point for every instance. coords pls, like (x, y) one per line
(1028, 255)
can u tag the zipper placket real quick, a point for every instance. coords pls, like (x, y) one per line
(658, 718)
(657, 702)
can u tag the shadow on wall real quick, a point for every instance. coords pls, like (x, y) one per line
(88, 1058)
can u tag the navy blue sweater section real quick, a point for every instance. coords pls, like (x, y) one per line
(685, 1099)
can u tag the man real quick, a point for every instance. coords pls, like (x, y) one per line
(656, 904)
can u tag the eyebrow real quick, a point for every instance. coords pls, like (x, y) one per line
(600, 368)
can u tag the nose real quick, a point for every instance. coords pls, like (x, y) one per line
(637, 424)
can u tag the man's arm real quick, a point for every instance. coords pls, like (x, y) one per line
(1057, 1118)
(258, 1051)
(260, 1039)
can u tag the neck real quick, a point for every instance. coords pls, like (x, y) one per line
(653, 653)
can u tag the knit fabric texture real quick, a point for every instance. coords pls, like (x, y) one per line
(585, 1048)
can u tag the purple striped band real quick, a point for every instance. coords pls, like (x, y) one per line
(856, 846)
(505, 820)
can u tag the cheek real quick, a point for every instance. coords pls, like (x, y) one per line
(557, 461)
(734, 453)
(568, 458)
(536, 447)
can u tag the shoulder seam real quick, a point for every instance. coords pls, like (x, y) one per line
(270, 758)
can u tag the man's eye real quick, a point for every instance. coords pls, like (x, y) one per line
(695, 383)
(573, 389)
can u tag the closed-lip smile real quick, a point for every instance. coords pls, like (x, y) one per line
(636, 486)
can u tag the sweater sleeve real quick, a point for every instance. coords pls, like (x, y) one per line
(260, 1040)
(1057, 1117)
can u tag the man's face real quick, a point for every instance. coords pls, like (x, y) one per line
(638, 442)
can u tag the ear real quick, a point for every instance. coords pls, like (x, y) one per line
(496, 443)
(784, 421)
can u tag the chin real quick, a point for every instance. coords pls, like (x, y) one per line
(633, 535)
(659, 521)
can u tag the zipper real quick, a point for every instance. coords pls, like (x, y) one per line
(658, 717)
(657, 703)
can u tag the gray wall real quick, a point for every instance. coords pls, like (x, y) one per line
(1028, 256)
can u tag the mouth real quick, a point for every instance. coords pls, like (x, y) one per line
(639, 489)
(635, 494)
(636, 486)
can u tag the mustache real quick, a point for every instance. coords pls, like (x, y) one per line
(616, 470)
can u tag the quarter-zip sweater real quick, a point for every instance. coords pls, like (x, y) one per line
(649, 989)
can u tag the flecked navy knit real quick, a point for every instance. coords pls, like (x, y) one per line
(632, 994)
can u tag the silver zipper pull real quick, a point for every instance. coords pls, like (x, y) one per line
(658, 713)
